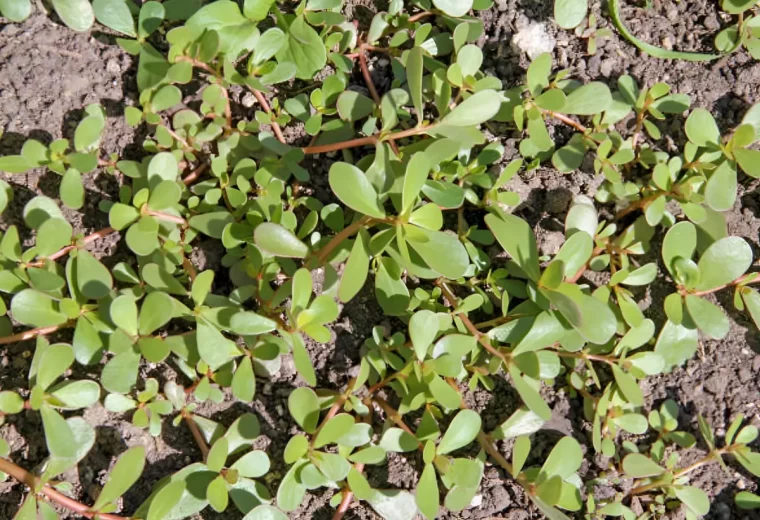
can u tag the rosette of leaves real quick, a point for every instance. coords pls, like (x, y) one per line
(228, 474)
(148, 406)
(58, 157)
(651, 477)
(744, 33)
(723, 263)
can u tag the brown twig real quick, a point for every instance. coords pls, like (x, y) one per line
(570, 122)
(197, 435)
(66, 250)
(166, 217)
(367, 76)
(32, 482)
(265, 106)
(419, 16)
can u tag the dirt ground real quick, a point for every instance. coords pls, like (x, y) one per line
(48, 74)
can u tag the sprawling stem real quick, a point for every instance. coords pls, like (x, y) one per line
(365, 141)
(394, 416)
(193, 176)
(32, 482)
(641, 203)
(265, 106)
(741, 280)
(610, 360)
(483, 339)
(66, 250)
(197, 435)
(367, 76)
(711, 457)
(568, 121)
(33, 333)
(324, 253)
(335, 408)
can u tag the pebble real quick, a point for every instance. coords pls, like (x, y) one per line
(248, 100)
(667, 43)
(756, 364)
(711, 23)
(476, 501)
(112, 66)
(533, 40)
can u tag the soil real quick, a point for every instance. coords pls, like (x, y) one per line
(48, 74)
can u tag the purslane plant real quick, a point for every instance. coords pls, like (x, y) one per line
(419, 207)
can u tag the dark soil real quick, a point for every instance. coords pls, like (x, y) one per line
(48, 74)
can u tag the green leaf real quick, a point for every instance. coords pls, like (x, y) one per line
(265, 512)
(628, 386)
(333, 430)
(694, 498)
(151, 16)
(356, 270)
(353, 106)
(747, 500)
(570, 13)
(211, 224)
(701, 128)
(455, 8)
(217, 455)
(707, 316)
(462, 431)
(55, 360)
(723, 262)
(442, 251)
(156, 311)
(632, 423)
(517, 239)
(720, 192)
(332, 466)
(397, 440)
(476, 109)
(416, 174)
(244, 381)
(426, 495)
(15, 11)
(279, 241)
(213, 347)
(72, 189)
(15, 164)
(216, 494)
(77, 14)
(680, 242)
(414, 72)
(115, 14)
(530, 395)
(303, 405)
(257, 10)
(33, 308)
(563, 461)
(247, 323)
(652, 50)
(352, 187)
(93, 278)
(120, 373)
(592, 98)
(305, 48)
(123, 311)
(58, 435)
(637, 465)
(124, 474)
(166, 499)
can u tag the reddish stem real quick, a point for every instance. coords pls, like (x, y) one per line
(367, 76)
(197, 435)
(32, 482)
(566, 120)
(265, 106)
(64, 251)
(193, 176)
(33, 333)
(324, 253)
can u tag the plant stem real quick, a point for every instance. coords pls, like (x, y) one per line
(596, 252)
(166, 217)
(610, 360)
(419, 16)
(642, 203)
(394, 416)
(193, 176)
(197, 435)
(33, 333)
(324, 253)
(483, 339)
(367, 77)
(364, 141)
(738, 281)
(500, 321)
(179, 139)
(66, 250)
(711, 457)
(265, 106)
(32, 482)
(570, 122)
(335, 408)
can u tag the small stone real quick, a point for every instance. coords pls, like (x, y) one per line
(112, 66)
(756, 364)
(741, 484)
(607, 67)
(745, 374)
(476, 501)
(502, 5)
(534, 40)
(711, 23)
(248, 100)
(667, 43)
(717, 384)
